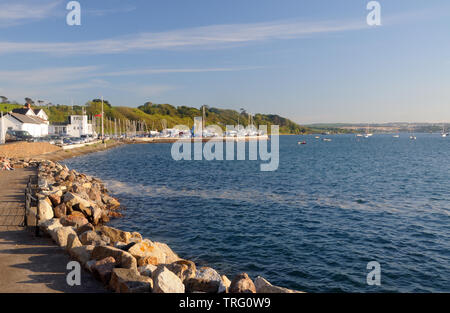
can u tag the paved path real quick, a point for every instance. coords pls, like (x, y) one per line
(29, 264)
(12, 198)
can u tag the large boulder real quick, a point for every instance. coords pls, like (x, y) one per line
(206, 280)
(60, 210)
(184, 269)
(147, 270)
(95, 195)
(71, 199)
(55, 197)
(170, 255)
(102, 269)
(82, 254)
(73, 241)
(74, 220)
(164, 281)
(263, 286)
(49, 225)
(84, 228)
(110, 202)
(45, 209)
(96, 215)
(115, 234)
(148, 251)
(129, 281)
(123, 258)
(91, 237)
(61, 234)
(241, 283)
(80, 207)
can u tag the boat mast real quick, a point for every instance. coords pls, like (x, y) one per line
(103, 129)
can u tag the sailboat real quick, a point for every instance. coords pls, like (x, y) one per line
(367, 135)
(444, 134)
(412, 136)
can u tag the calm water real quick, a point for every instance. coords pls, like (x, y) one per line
(312, 225)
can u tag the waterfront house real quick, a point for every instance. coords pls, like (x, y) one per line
(34, 125)
(76, 126)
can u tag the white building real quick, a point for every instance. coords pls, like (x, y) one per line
(27, 119)
(77, 126)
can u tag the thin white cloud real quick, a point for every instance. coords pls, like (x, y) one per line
(64, 74)
(213, 36)
(18, 12)
(45, 75)
(59, 82)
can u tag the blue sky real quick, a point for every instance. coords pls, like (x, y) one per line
(311, 61)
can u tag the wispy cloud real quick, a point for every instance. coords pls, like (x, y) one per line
(214, 36)
(46, 75)
(19, 12)
(59, 82)
(65, 74)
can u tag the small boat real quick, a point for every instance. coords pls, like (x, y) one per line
(301, 143)
(326, 139)
(317, 137)
(368, 134)
(396, 136)
(412, 137)
(445, 134)
(359, 135)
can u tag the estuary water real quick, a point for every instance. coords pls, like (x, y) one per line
(312, 225)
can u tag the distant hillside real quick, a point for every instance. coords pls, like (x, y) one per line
(158, 116)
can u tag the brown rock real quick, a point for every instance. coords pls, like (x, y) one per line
(123, 258)
(242, 284)
(55, 199)
(263, 286)
(149, 252)
(73, 241)
(184, 269)
(102, 269)
(170, 255)
(166, 282)
(194, 284)
(147, 260)
(95, 195)
(129, 281)
(115, 234)
(81, 254)
(80, 207)
(91, 237)
(74, 220)
(84, 228)
(114, 214)
(60, 210)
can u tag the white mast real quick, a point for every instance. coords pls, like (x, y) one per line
(102, 121)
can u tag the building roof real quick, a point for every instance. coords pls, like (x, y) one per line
(26, 119)
(21, 111)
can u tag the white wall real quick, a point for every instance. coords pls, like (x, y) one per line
(35, 130)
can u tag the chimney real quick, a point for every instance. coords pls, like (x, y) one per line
(27, 106)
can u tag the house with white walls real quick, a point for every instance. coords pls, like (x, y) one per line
(15, 121)
(76, 126)
(35, 121)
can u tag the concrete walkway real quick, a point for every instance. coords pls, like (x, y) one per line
(29, 264)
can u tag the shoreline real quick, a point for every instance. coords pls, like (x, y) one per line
(74, 208)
